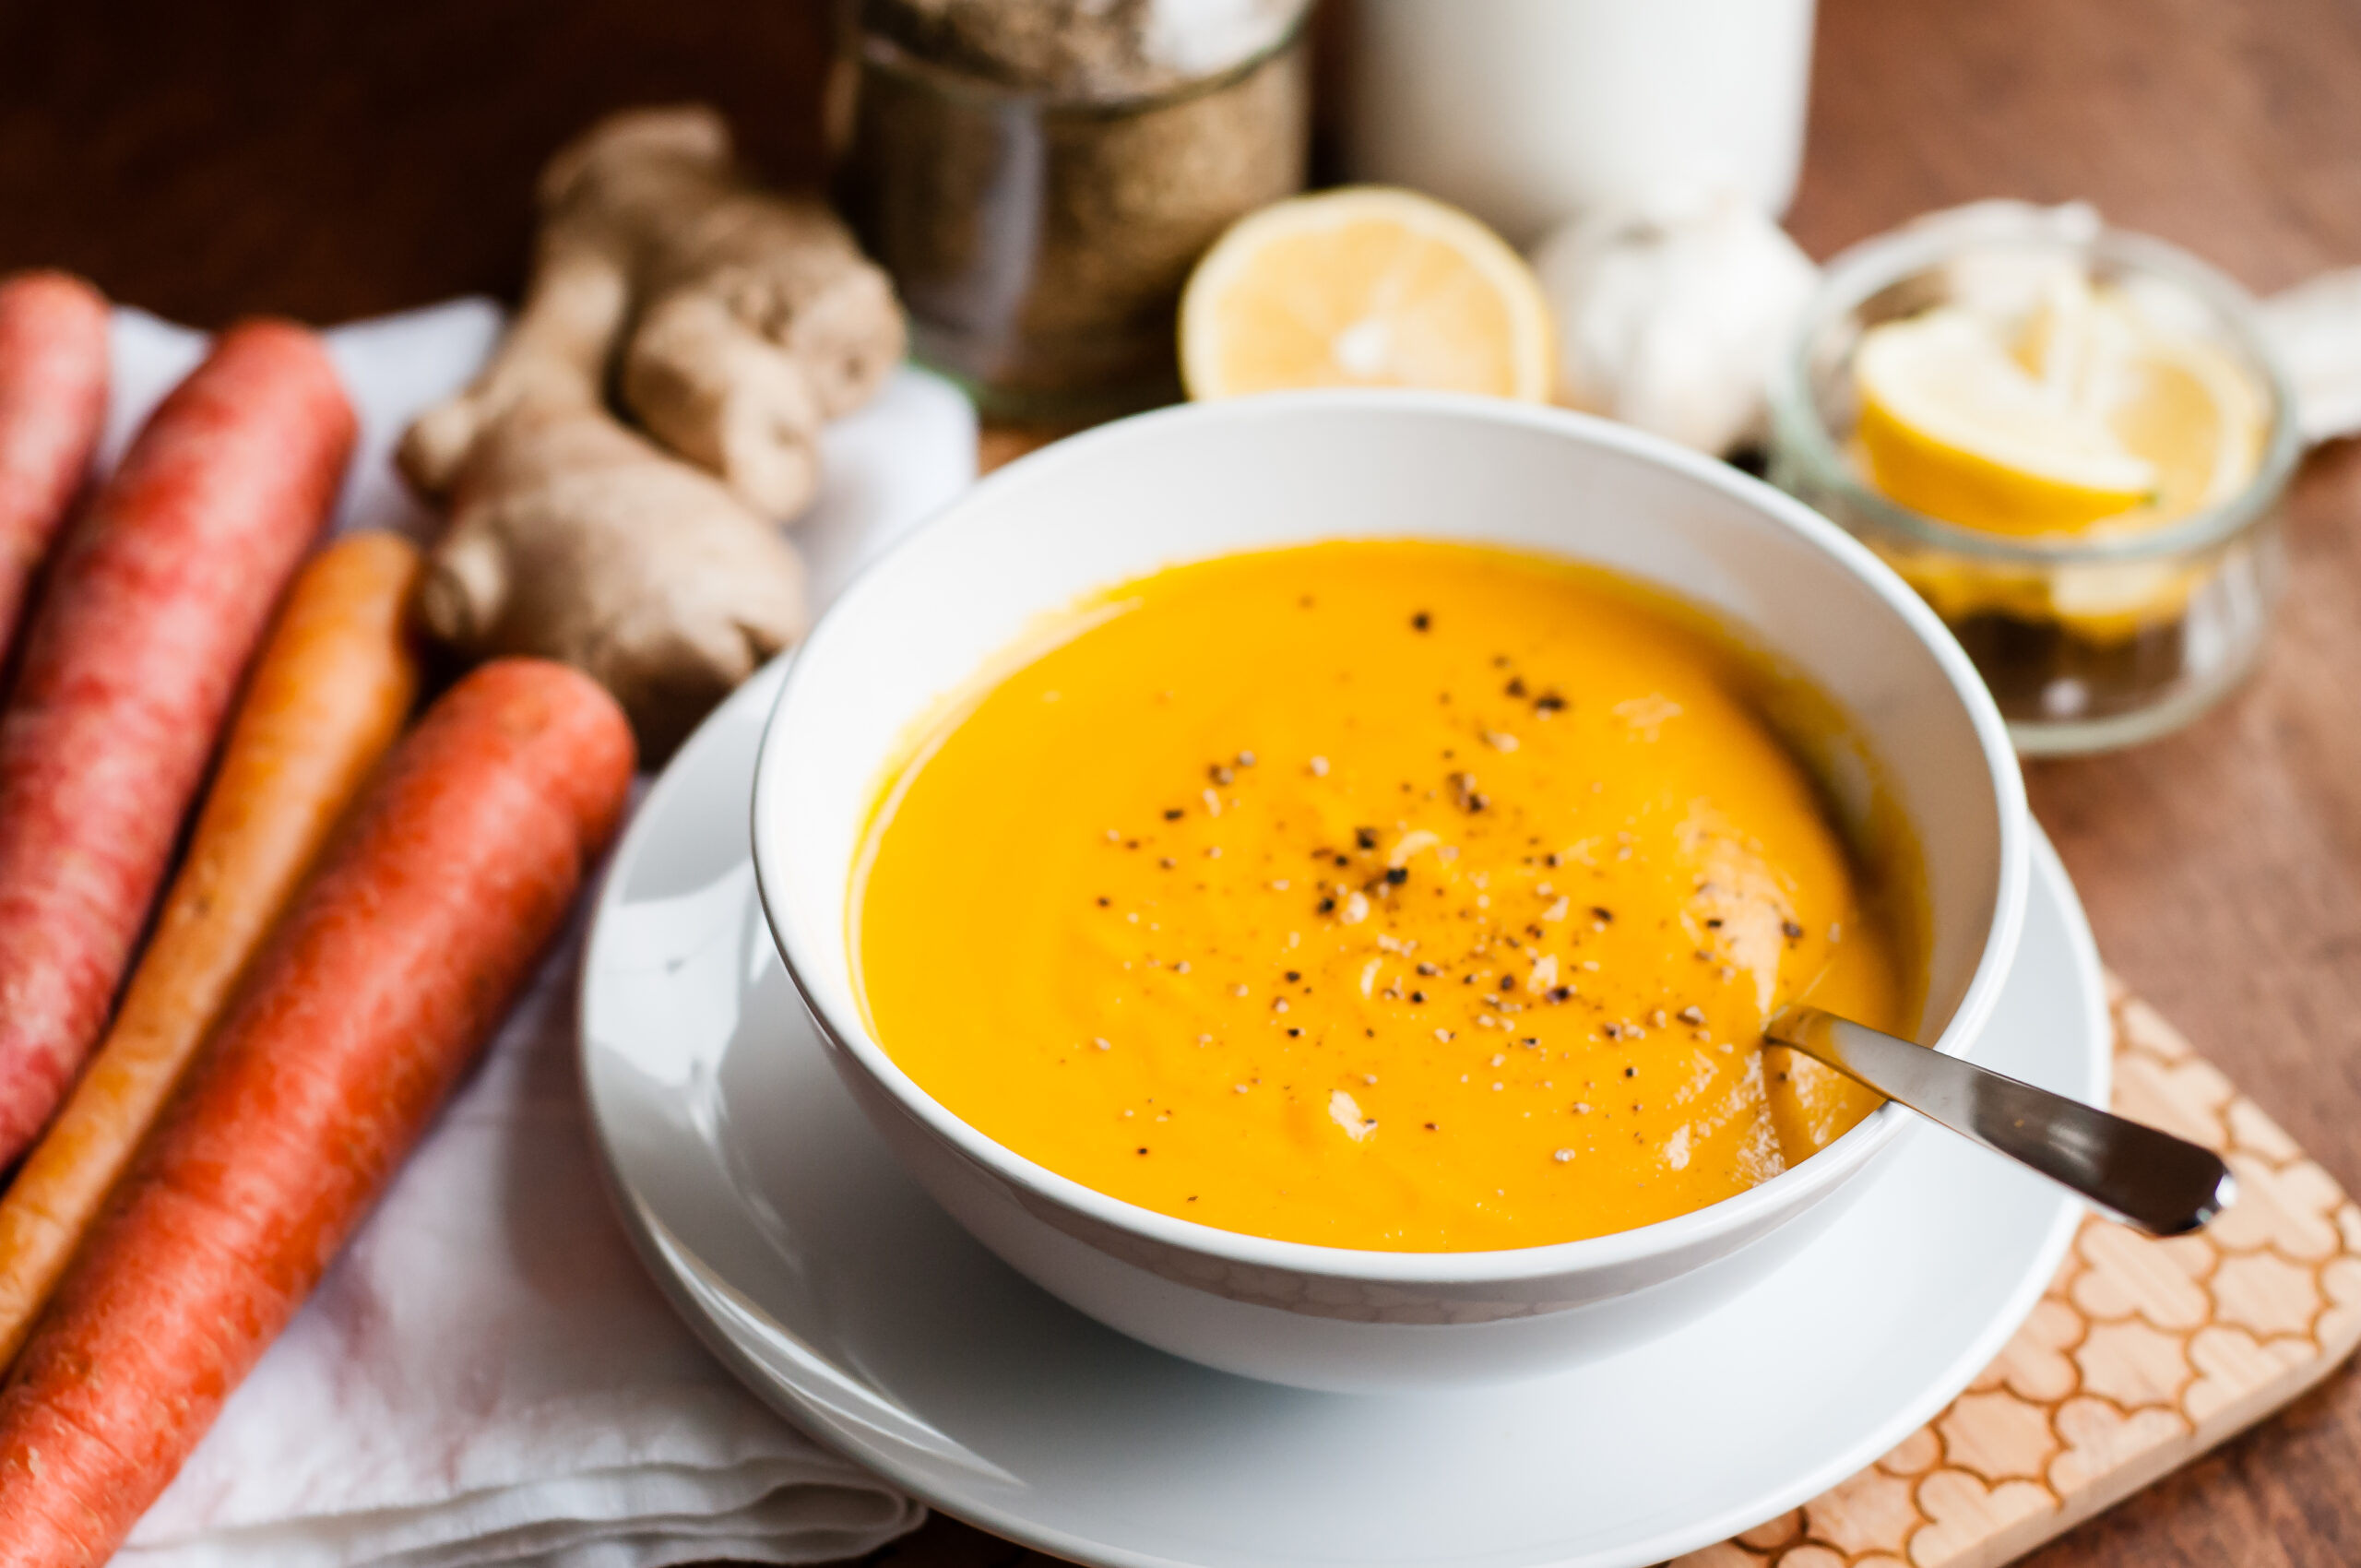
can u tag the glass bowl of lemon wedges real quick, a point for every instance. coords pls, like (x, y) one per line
(2071, 441)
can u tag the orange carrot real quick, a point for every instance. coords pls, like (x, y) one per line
(391, 970)
(335, 682)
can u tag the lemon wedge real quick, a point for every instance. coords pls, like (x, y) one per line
(1953, 424)
(2165, 390)
(2194, 413)
(2103, 414)
(1364, 287)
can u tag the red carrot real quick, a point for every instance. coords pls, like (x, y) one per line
(391, 970)
(159, 595)
(53, 405)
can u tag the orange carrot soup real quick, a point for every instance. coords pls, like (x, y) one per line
(1401, 896)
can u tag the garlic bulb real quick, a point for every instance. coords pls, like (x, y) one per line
(1671, 314)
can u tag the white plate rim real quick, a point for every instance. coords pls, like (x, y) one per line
(809, 1414)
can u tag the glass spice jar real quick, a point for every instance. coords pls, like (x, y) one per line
(2100, 637)
(1038, 177)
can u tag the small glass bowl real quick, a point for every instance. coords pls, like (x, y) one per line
(1040, 241)
(2088, 643)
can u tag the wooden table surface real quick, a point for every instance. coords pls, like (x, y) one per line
(328, 161)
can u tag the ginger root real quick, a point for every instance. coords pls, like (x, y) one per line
(575, 539)
(759, 318)
(734, 323)
(752, 318)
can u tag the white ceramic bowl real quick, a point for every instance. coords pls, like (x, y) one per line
(1201, 480)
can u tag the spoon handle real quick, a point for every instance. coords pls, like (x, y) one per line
(2163, 1185)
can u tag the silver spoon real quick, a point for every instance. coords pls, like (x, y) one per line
(2162, 1184)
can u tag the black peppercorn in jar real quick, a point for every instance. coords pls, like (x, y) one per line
(1039, 177)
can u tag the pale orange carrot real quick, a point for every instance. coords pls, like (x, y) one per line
(335, 682)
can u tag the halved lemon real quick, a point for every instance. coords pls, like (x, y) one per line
(1364, 287)
(1954, 425)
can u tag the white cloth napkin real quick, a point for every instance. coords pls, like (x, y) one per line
(486, 1375)
(2316, 327)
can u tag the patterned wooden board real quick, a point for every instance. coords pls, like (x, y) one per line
(2143, 1354)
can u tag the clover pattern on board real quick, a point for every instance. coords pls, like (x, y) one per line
(2142, 1354)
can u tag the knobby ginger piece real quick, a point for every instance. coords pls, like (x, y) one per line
(751, 318)
(575, 538)
(758, 319)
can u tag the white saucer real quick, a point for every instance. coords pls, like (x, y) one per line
(791, 1243)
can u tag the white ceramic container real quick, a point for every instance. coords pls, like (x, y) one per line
(1207, 480)
(1531, 112)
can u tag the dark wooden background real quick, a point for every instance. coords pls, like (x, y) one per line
(328, 160)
